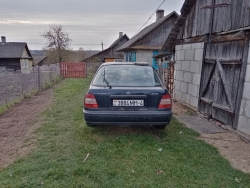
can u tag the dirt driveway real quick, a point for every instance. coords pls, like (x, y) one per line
(230, 145)
(17, 124)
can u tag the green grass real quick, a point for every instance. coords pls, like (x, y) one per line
(119, 157)
(5, 107)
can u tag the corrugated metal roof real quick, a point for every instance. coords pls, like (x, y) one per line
(13, 49)
(144, 32)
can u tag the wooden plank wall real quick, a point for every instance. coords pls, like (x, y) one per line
(234, 16)
(158, 36)
(220, 82)
(114, 48)
(12, 63)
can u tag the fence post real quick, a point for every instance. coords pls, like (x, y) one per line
(39, 83)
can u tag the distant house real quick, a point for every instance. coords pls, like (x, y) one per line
(109, 54)
(39, 60)
(15, 56)
(147, 43)
(39, 57)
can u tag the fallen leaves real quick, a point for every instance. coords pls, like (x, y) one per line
(87, 156)
(160, 149)
(159, 172)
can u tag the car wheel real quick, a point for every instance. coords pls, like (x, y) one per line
(160, 126)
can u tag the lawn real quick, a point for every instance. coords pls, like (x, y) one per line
(117, 156)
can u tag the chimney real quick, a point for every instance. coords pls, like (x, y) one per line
(159, 14)
(3, 39)
(120, 34)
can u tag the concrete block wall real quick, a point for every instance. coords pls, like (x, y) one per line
(188, 73)
(244, 118)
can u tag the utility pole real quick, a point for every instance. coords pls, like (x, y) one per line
(102, 46)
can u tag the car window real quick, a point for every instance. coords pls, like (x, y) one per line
(127, 75)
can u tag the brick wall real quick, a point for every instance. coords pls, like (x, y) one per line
(244, 119)
(188, 73)
(14, 86)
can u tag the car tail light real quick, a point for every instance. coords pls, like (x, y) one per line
(90, 102)
(165, 102)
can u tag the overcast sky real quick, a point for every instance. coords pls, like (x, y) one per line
(87, 21)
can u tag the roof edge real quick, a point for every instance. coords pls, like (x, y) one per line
(185, 10)
(160, 22)
(125, 35)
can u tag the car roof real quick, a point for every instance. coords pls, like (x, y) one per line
(126, 63)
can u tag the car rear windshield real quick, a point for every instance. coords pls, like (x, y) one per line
(127, 75)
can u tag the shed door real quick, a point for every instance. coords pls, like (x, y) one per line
(221, 80)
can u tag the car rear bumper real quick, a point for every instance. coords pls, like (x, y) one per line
(123, 118)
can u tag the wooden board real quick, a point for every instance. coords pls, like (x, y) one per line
(201, 21)
(73, 70)
(220, 82)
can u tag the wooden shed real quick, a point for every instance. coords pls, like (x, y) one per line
(210, 41)
(15, 56)
(110, 54)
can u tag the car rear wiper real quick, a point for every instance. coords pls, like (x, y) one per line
(105, 80)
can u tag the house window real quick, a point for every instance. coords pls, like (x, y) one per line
(154, 61)
(131, 57)
(23, 63)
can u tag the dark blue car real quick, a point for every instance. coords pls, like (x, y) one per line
(127, 94)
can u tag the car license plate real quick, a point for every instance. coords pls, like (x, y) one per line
(128, 102)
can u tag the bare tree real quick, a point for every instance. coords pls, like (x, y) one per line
(58, 42)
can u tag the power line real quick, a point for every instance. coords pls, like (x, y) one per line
(71, 44)
(149, 18)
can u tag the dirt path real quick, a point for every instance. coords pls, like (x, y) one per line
(230, 145)
(17, 125)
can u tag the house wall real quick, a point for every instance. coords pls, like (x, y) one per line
(26, 63)
(25, 53)
(109, 60)
(244, 118)
(144, 56)
(26, 66)
(10, 63)
(139, 56)
(188, 73)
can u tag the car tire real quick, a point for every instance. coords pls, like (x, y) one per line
(160, 126)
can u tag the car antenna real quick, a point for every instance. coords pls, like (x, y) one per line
(105, 80)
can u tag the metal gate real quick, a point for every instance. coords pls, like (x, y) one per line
(73, 70)
(221, 84)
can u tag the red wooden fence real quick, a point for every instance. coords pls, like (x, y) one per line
(73, 70)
